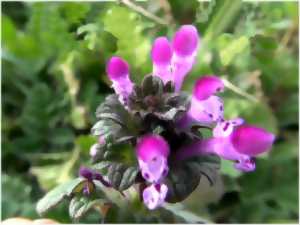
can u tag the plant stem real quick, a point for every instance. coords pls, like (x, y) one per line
(239, 91)
(144, 12)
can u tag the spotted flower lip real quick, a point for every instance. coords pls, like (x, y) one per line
(206, 107)
(233, 141)
(154, 195)
(152, 152)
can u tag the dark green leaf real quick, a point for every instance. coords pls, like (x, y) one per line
(79, 206)
(179, 179)
(56, 195)
(122, 176)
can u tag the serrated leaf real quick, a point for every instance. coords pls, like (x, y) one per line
(81, 205)
(56, 195)
(115, 121)
(179, 179)
(122, 176)
(114, 152)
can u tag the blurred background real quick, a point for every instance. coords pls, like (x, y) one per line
(53, 78)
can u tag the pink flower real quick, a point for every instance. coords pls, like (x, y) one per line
(185, 44)
(154, 195)
(152, 152)
(206, 108)
(118, 72)
(172, 62)
(161, 55)
(233, 141)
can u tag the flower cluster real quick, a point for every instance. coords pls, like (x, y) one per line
(158, 103)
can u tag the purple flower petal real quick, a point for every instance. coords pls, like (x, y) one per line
(154, 195)
(201, 147)
(161, 56)
(118, 72)
(186, 40)
(154, 170)
(246, 164)
(161, 51)
(206, 86)
(151, 146)
(117, 68)
(185, 47)
(225, 128)
(152, 152)
(251, 140)
(86, 173)
(207, 111)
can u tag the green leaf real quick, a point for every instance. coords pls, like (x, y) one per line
(231, 47)
(263, 48)
(133, 46)
(58, 194)
(74, 11)
(81, 205)
(115, 152)
(122, 176)
(179, 179)
(153, 98)
(17, 197)
(115, 121)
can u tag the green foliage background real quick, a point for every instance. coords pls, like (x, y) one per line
(53, 77)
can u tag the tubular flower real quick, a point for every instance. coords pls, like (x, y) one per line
(172, 62)
(118, 72)
(152, 153)
(154, 195)
(161, 55)
(185, 44)
(206, 108)
(242, 143)
(233, 141)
